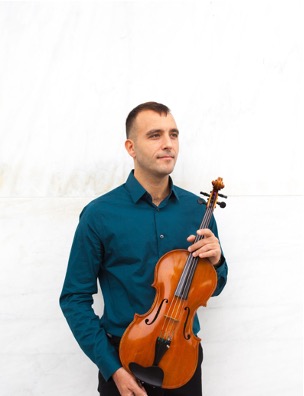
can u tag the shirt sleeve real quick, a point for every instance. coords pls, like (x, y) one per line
(76, 298)
(222, 269)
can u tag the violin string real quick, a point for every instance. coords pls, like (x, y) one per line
(194, 260)
(170, 322)
(204, 224)
(191, 263)
(177, 304)
(173, 316)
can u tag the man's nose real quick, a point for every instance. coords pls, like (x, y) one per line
(166, 142)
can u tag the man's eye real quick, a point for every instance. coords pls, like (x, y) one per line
(154, 136)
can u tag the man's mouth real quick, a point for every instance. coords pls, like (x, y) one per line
(165, 157)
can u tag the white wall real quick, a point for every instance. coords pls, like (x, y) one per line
(232, 73)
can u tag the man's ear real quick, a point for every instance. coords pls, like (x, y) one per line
(129, 145)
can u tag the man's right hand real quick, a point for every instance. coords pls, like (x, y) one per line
(127, 384)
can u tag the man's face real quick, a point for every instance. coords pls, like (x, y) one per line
(153, 144)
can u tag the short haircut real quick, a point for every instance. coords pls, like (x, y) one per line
(154, 106)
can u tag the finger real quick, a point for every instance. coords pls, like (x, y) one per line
(202, 252)
(140, 392)
(206, 253)
(205, 248)
(205, 232)
(140, 384)
(191, 238)
(204, 244)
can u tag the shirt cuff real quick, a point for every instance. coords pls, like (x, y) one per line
(220, 263)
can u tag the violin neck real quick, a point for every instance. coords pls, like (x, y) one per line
(185, 281)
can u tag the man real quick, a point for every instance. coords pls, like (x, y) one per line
(121, 236)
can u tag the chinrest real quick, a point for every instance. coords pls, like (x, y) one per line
(152, 375)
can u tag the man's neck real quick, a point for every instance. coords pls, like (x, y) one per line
(158, 188)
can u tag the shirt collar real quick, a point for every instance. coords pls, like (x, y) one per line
(137, 191)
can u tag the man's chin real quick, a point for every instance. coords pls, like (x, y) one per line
(165, 171)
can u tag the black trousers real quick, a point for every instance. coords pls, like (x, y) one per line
(191, 388)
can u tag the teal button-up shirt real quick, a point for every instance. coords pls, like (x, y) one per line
(119, 239)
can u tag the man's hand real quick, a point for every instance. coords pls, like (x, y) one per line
(127, 384)
(208, 247)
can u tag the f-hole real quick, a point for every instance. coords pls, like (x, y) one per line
(186, 337)
(165, 300)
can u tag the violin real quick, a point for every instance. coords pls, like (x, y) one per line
(159, 347)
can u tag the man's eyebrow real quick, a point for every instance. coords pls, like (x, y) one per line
(153, 131)
(174, 130)
(160, 131)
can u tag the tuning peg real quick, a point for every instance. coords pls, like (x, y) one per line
(221, 204)
(206, 195)
(222, 196)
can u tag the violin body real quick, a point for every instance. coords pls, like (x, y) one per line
(160, 347)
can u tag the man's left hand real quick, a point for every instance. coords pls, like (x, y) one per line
(208, 247)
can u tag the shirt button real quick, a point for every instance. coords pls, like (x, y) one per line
(162, 236)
